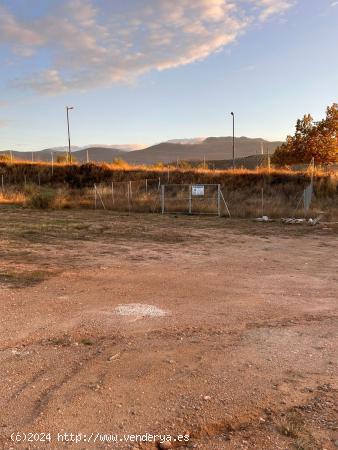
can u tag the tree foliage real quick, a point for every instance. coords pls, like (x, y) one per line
(66, 158)
(318, 140)
(121, 163)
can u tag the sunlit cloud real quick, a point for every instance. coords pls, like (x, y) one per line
(272, 7)
(90, 47)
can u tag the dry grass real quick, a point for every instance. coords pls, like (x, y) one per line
(71, 186)
(18, 279)
(291, 425)
(12, 196)
(81, 175)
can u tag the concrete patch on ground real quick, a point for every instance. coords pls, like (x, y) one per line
(139, 309)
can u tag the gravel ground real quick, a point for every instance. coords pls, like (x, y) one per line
(224, 332)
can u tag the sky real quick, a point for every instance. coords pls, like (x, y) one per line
(146, 71)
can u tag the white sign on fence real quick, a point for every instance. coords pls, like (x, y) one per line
(197, 190)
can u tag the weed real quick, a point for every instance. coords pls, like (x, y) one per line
(42, 199)
(305, 443)
(22, 279)
(62, 341)
(87, 341)
(291, 426)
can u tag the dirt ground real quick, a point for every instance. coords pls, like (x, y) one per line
(244, 355)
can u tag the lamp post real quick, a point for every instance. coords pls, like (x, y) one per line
(233, 140)
(68, 108)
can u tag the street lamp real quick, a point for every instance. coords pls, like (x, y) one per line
(233, 140)
(68, 108)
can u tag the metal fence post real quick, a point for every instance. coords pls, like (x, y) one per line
(162, 197)
(219, 200)
(146, 185)
(95, 196)
(190, 198)
(112, 192)
(128, 194)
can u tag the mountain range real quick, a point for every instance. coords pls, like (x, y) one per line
(210, 149)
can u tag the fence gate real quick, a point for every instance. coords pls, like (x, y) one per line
(191, 199)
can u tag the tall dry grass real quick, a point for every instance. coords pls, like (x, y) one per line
(85, 175)
(71, 186)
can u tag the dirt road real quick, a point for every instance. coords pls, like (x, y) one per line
(224, 332)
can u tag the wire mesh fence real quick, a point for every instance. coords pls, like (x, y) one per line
(151, 196)
(198, 199)
(248, 195)
(140, 195)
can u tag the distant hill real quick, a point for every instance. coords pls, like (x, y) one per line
(212, 149)
(186, 141)
(42, 155)
(99, 154)
(249, 162)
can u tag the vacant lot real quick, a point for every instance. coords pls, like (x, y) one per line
(237, 346)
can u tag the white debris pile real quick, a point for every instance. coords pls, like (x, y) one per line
(314, 221)
(140, 310)
(263, 219)
(294, 220)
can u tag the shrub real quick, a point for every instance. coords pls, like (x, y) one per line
(119, 162)
(42, 199)
(185, 165)
(65, 158)
(5, 157)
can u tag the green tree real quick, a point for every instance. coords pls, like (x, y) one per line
(318, 140)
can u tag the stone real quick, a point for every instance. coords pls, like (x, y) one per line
(165, 445)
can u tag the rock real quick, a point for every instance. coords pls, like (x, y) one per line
(336, 443)
(165, 445)
(206, 398)
(114, 357)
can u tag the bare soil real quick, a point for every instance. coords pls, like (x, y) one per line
(244, 358)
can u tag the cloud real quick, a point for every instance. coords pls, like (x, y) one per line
(272, 7)
(335, 3)
(16, 33)
(91, 44)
